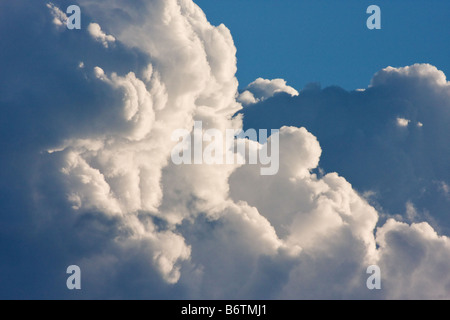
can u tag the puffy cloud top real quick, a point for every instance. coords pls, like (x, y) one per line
(262, 89)
(425, 73)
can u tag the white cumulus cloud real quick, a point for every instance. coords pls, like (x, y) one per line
(262, 89)
(96, 32)
(105, 195)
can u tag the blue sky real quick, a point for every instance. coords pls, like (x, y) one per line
(328, 42)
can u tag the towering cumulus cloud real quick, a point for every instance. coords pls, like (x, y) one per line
(87, 175)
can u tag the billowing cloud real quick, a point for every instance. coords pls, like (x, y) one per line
(90, 181)
(389, 141)
(96, 32)
(423, 74)
(414, 257)
(262, 89)
(59, 17)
